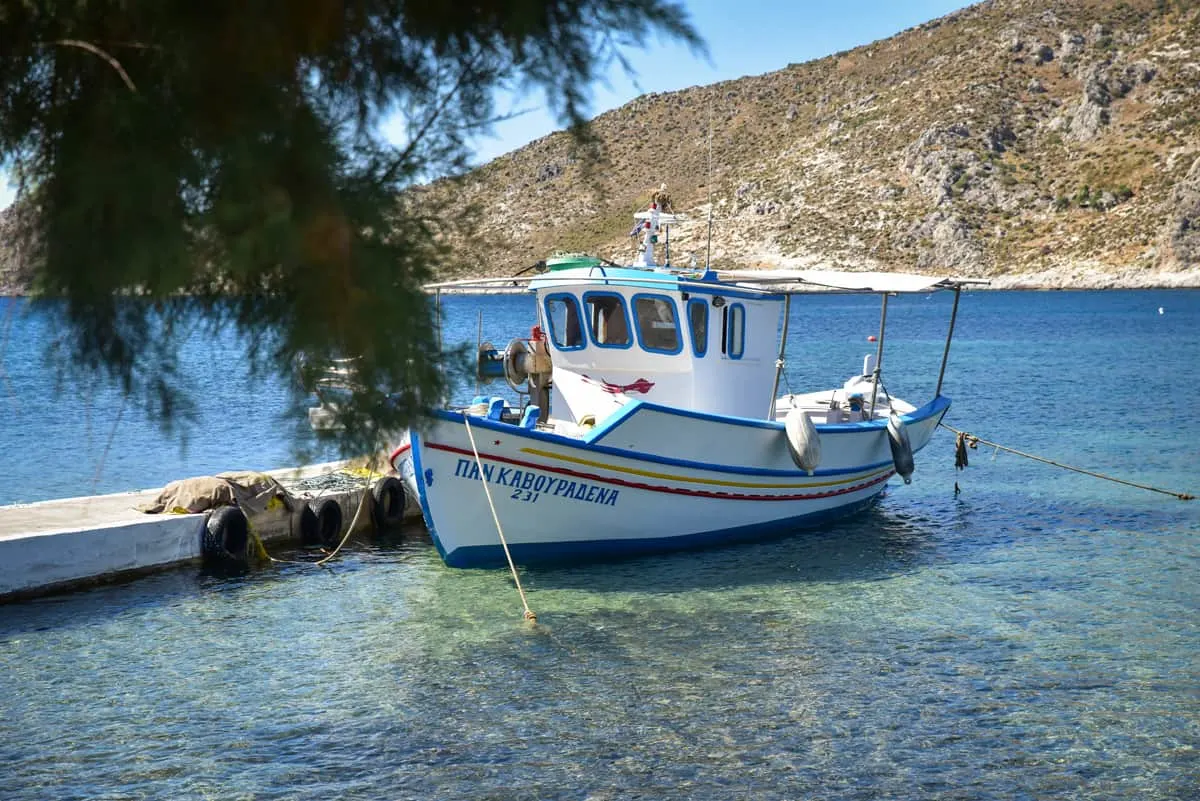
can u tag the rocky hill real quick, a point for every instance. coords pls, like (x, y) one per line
(13, 269)
(1034, 142)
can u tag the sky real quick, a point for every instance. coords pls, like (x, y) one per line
(744, 37)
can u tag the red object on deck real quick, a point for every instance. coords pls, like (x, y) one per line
(871, 338)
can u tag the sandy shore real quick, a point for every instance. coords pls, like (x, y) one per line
(1091, 278)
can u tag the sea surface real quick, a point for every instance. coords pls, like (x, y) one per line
(1034, 636)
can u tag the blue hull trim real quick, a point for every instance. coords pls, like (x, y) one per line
(592, 550)
(419, 474)
(936, 407)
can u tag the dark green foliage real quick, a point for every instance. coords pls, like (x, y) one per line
(228, 152)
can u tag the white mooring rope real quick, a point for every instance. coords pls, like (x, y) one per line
(529, 615)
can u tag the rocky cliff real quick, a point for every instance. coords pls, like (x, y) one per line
(1033, 142)
(14, 270)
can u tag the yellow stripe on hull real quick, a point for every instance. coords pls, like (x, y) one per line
(693, 480)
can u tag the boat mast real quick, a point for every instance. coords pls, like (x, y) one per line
(708, 251)
(437, 321)
(878, 358)
(779, 362)
(949, 336)
(478, 344)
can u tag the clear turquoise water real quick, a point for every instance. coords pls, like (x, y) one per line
(1034, 637)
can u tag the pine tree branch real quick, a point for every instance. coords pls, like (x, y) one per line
(91, 48)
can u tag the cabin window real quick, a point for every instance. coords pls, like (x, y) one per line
(563, 318)
(608, 319)
(657, 325)
(697, 310)
(733, 330)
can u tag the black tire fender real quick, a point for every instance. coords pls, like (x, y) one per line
(309, 529)
(227, 536)
(329, 521)
(387, 509)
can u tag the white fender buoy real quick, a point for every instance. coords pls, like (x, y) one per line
(804, 444)
(901, 448)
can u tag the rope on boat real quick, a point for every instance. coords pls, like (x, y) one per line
(965, 440)
(529, 615)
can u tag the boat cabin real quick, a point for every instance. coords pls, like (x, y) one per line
(617, 334)
(698, 341)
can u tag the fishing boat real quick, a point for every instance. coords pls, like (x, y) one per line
(649, 418)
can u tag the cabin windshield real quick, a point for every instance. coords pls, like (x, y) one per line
(657, 324)
(608, 319)
(562, 313)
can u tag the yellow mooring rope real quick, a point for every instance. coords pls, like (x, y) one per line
(363, 503)
(529, 615)
(966, 440)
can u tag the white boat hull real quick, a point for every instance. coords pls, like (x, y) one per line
(652, 479)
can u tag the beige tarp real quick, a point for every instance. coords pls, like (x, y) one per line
(253, 492)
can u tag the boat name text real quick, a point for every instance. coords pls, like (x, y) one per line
(529, 486)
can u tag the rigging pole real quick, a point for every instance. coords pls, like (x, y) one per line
(708, 252)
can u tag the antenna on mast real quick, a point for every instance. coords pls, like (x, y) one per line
(708, 252)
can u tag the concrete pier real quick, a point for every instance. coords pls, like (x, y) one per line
(63, 544)
(55, 544)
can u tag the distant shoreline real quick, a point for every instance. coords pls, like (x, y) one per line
(1003, 283)
(1089, 279)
